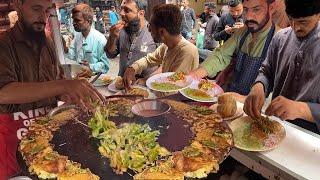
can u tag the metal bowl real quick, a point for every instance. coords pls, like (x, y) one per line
(150, 108)
(71, 70)
(60, 109)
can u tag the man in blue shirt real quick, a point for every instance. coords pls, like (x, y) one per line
(87, 48)
(113, 16)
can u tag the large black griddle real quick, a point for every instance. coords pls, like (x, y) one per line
(74, 140)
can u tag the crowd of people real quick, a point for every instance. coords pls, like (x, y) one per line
(247, 49)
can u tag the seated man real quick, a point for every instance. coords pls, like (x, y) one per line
(291, 70)
(249, 47)
(175, 54)
(87, 48)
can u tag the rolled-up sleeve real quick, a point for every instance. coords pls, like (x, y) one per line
(220, 58)
(7, 69)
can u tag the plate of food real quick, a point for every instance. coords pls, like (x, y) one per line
(117, 85)
(138, 90)
(169, 82)
(257, 135)
(202, 91)
(228, 108)
(103, 80)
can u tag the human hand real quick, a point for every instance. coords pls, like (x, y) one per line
(198, 74)
(85, 63)
(287, 109)
(238, 25)
(115, 29)
(255, 101)
(82, 93)
(141, 81)
(129, 78)
(228, 29)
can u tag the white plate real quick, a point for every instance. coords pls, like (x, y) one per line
(99, 82)
(112, 87)
(151, 94)
(213, 92)
(163, 77)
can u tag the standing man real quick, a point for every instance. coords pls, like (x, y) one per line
(175, 54)
(131, 38)
(248, 45)
(291, 70)
(210, 43)
(113, 16)
(188, 20)
(31, 79)
(229, 22)
(205, 14)
(87, 47)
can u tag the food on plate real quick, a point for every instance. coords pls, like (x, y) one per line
(138, 91)
(206, 85)
(84, 74)
(166, 86)
(106, 79)
(119, 83)
(177, 76)
(203, 110)
(250, 135)
(129, 146)
(227, 105)
(197, 94)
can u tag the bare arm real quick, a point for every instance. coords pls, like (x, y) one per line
(79, 92)
(20, 93)
(111, 46)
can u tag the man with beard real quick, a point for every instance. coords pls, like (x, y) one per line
(291, 70)
(247, 45)
(31, 79)
(175, 54)
(229, 22)
(87, 47)
(131, 37)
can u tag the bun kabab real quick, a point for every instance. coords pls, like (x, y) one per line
(119, 83)
(227, 105)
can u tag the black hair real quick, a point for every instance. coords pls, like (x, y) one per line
(167, 16)
(302, 8)
(268, 1)
(211, 6)
(234, 3)
(141, 4)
